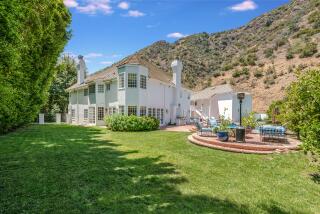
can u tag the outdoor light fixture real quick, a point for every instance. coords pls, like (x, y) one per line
(241, 97)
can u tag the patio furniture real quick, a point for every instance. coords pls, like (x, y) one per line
(203, 130)
(272, 132)
(213, 123)
(233, 127)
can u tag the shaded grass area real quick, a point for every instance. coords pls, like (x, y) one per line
(72, 169)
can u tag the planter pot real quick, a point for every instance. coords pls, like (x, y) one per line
(223, 136)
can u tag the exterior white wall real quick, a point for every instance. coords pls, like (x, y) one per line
(157, 95)
(210, 107)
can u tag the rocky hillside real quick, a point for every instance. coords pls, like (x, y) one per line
(259, 57)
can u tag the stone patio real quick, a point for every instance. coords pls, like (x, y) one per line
(253, 144)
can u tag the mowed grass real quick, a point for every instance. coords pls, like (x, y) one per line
(69, 169)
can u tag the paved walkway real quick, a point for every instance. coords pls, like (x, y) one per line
(186, 128)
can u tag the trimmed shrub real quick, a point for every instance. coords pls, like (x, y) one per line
(131, 123)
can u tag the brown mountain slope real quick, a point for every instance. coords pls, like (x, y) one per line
(259, 57)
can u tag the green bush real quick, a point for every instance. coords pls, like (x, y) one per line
(131, 123)
(301, 109)
(314, 18)
(308, 50)
(238, 73)
(258, 73)
(268, 52)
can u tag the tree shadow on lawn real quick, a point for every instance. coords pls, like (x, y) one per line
(81, 173)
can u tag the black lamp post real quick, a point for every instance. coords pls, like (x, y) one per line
(241, 97)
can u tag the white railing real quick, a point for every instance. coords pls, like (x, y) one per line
(199, 113)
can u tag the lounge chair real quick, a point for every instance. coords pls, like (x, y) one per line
(213, 123)
(203, 131)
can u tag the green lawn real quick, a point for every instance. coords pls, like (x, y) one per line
(70, 169)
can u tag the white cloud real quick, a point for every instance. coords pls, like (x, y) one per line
(93, 55)
(70, 3)
(106, 62)
(244, 6)
(93, 6)
(116, 55)
(134, 13)
(124, 5)
(176, 35)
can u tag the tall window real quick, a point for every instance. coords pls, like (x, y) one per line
(73, 114)
(143, 81)
(92, 115)
(121, 110)
(154, 113)
(143, 111)
(85, 92)
(108, 86)
(158, 113)
(132, 80)
(92, 89)
(85, 114)
(149, 112)
(100, 113)
(161, 116)
(132, 110)
(100, 88)
(121, 80)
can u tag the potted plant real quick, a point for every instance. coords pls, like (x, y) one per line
(222, 130)
(249, 123)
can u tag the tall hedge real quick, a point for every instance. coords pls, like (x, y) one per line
(33, 33)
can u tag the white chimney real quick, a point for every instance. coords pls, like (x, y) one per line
(81, 70)
(177, 66)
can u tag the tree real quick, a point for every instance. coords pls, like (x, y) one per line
(33, 34)
(66, 75)
(301, 109)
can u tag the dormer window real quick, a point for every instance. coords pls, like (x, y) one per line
(132, 80)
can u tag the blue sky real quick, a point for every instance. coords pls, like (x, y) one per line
(105, 31)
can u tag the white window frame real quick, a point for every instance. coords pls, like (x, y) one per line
(108, 86)
(100, 88)
(143, 81)
(92, 115)
(100, 113)
(85, 92)
(121, 110)
(73, 114)
(85, 114)
(121, 80)
(132, 80)
(132, 110)
(143, 111)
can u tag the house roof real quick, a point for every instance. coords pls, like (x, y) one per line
(110, 72)
(211, 91)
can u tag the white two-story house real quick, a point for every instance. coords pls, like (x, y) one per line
(133, 86)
